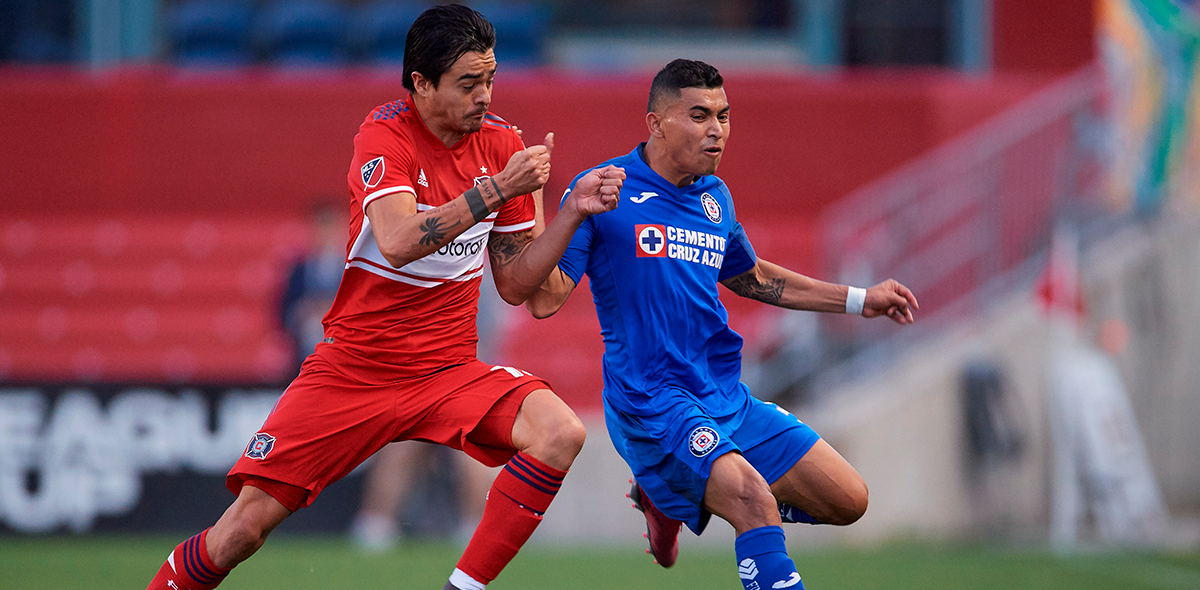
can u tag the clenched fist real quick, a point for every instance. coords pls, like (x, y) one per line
(597, 191)
(527, 170)
(890, 299)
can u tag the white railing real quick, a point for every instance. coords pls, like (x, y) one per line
(978, 208)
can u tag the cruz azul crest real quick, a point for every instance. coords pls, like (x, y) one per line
(711, 208)
(703, 440)
(260, 445)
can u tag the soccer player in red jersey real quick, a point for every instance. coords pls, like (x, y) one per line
(437, 182)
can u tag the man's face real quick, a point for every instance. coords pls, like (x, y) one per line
(695, 128)
(464, 92)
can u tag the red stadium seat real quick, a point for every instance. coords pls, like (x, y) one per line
(144, 298)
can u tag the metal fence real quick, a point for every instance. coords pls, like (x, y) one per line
(970, 220)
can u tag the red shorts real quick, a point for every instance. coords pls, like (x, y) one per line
(327, 423)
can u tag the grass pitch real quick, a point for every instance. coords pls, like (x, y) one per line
(300, 563)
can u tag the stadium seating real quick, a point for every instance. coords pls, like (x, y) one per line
(299, 34)
(210, 33)
(152, 296)
(521, 29)
(152, 245)
(36, 32)
(379, 29)
(303, 33)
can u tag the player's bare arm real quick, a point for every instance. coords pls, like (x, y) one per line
(405, 235)
(770, 283)
(527, 267)
(558, 286)
(550, 297)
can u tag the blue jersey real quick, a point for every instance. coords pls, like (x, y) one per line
(654, 263)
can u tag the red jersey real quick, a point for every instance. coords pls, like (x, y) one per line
(419, 318)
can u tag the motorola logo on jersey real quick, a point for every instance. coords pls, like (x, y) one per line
(457, 248)
(703, 440)
(260, 446)
(372, 172)
(711, 208)
(651, 241)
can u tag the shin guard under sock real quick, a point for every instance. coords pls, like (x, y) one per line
(763, 561)
(515, 504)
(189, 567)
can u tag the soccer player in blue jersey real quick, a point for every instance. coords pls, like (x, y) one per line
(697, 442)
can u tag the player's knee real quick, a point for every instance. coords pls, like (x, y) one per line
(243, 528)
(853, 506)
(756, 496)
(747, 498)
(241, 537)
(567, 435)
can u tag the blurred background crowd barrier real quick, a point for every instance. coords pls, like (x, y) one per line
(162, 158)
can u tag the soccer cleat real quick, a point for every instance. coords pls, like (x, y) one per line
(662, 531)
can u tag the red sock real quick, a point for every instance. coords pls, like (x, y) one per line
(189, 567)
(518, 498)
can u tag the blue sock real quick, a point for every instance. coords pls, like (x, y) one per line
(763, 562)
(790, 513)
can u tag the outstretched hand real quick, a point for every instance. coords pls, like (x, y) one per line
(597, 191)
(890, 299)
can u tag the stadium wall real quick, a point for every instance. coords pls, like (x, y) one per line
(266, 142)
(1035, 35)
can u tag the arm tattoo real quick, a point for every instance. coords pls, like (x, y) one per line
(504, 248)
(479, 209)
(435, 230)
(497, 187)
(748, 285)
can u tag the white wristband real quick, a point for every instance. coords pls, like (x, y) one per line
(855, 298)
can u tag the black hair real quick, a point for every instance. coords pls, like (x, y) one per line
(440, 36)
(680, 74)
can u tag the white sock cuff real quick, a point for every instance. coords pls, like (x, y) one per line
(464, 582)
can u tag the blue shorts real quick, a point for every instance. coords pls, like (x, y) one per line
(671, 454)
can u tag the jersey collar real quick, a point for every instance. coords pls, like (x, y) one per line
(697, 181)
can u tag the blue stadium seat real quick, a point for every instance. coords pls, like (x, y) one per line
(204, 33)
(303, 33)
(380, 27)
(521, 31)
(37, 46)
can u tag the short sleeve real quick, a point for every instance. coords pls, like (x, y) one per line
(574, 261)
(739, 256)
(516, 215)
(382, 163)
